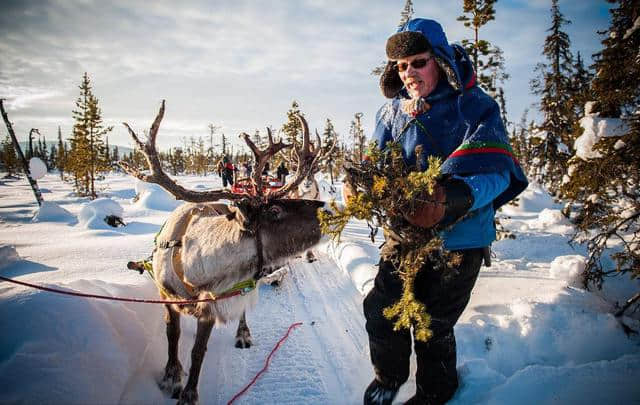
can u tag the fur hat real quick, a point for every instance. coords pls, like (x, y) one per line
(406, 43)
(400, 45)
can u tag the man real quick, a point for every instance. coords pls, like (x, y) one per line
(282, 172)
(227, 172)
(435, 103)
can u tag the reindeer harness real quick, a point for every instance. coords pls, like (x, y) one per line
(175, 243)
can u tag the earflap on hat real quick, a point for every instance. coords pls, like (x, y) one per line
(450, 74)
(390, 82)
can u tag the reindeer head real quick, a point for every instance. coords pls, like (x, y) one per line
(277, 218)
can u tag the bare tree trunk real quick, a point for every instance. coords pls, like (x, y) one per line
(25, 164)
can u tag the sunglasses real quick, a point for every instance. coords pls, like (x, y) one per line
(416, 64)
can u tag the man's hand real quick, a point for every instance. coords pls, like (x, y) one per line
(451, 200)
(428, 214)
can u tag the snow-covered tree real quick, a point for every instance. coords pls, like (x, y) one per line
(603, 182)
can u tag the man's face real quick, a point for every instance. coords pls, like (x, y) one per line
(419, 73)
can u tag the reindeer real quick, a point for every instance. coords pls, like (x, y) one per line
(206, 248)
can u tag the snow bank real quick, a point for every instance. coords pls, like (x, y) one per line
(152, 196)
(8, 255)
(552, 220)
(93, 214)
(568, 268)
(533, 199)
(596, 128)
(52, 212)
(73, 350)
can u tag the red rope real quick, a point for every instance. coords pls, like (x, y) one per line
(266, 364)
(106, 297)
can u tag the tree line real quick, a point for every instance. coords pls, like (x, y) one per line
(601, 192)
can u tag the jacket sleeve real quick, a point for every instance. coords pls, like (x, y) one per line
(486, 187)
(485, 148)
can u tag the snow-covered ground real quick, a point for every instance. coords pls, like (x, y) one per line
(530, 334)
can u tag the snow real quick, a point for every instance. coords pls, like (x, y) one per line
(8, 255)
(152, 196)
(530, 334)
(37, 168)
(93, 214)
(595, 128)
(52, 212)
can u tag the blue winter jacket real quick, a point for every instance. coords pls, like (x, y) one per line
(464, 128)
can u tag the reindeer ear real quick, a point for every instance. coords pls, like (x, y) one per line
(239, 212)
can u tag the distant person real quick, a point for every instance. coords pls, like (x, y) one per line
(219, 168)
(227, 172)
(282, 172)
(265, 171)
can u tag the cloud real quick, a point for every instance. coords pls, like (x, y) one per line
(237, 64)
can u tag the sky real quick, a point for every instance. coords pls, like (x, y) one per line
(239, 64)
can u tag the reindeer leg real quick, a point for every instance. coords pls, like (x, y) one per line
(243, 335)
(189, 395)
(171, 383)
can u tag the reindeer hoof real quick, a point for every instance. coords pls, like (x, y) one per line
(171, 383)
(188, 397)
(243, 342)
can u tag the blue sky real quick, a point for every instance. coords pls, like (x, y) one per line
(239, 64)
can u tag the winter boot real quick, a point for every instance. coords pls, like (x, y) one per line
(378, 394)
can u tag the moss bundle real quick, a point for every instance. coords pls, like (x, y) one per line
(387, 190)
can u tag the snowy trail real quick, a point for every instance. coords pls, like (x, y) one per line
(530, 334)
(314, 365)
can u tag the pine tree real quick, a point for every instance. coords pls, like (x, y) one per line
(604, 189)
(553, 84)
(617, 66)
(292, 129)
(61, 157)
(487, 59)
(405, 15)
(87, 156)
(330, 140)
(359, 139)
(8, 157)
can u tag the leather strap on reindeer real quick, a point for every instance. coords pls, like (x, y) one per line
(170, 236)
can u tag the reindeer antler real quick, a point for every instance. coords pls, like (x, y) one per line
(159, 177)
(305, 158)
(262, 157)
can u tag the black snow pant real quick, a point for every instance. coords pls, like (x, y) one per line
(445, 294)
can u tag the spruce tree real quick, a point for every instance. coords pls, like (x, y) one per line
(359, 139)
(604, 189)
(330, 140)
(618, 64)
(292, 129)
(87, 156)
(405, 15)
(61, 157)
(8, 157)
(487, 59)
(553, 85)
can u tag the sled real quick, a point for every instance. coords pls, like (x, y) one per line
(245, 185)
